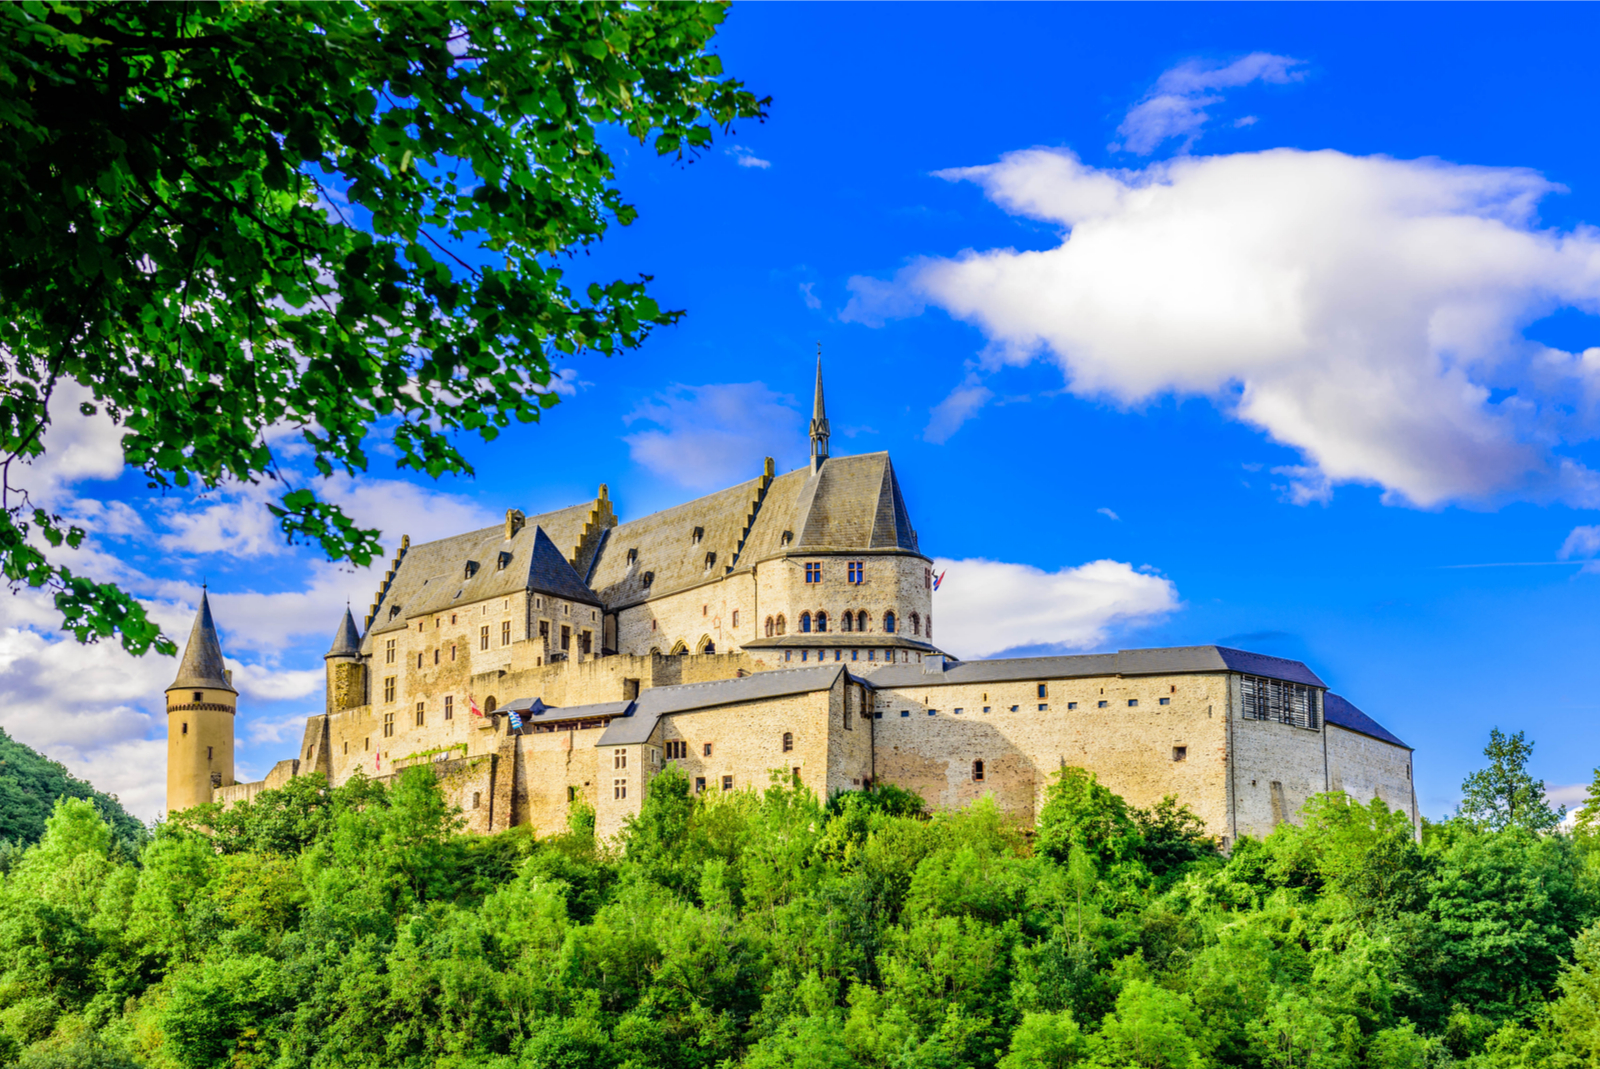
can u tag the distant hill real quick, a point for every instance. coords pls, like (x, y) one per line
(30, 783)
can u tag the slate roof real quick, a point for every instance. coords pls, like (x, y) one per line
(1124, 662)
(202, 666)
(535, 711)
(346, 640)
(432, 576)
(667, 548)
(657, 702)
(1339, 712)
(853, 503)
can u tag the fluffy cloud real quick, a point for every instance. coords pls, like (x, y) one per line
(712, 436)
(1175, 105)
(1364, 310)
(985, 607)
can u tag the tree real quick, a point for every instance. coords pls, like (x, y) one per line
(232, 224)
(31, 783)
(1081, 813)
(1505, 795)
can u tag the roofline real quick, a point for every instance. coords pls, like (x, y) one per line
(1369, 735)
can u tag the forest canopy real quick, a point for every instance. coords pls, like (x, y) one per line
(359, 927)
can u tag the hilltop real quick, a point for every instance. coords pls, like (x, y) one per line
(30, 783)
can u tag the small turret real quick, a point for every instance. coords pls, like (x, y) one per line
(819, 422)
(201, 703)
(347, 676)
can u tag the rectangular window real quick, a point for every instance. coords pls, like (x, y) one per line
(727, 783)
(977, 771)
(1280, 701)
(1101, 705)
(619, 788)
(566, 637)
(477, 798)
(905, 712)
(814, 573)
(388, 688)
(1044, 690)
(958, 711)
(452, 617)
(1165, 701)
(505, 632)
(856, 573)
(435, 656)
(347, 748)
(986, 708)
(933, 712)
(878, 715)
(208, 753)
(735, 617)
(707, 750)
(449, 707)
(419, 660)
(572, 794)
(422, 714)
(366, 743)
(1044, 707)
(586, 642)
(619, 758)
(388, 725)
(699, 785)
(544, 632)
(1014, 708)
(452, 651)
(1072, 705)
(388, 651)
(1132, 702)
(483, 637)
(1180, 753)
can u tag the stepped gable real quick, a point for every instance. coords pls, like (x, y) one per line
(202, 666)
(1339, 712)
(852, 503)
(432, 576)
(346, 640)
(666, 546)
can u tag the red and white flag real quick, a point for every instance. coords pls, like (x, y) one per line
(377, 761)
(472, 703)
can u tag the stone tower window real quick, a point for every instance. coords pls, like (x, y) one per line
(483, 637)
(781, 624)
(822, 621)
(488, 705)
(861, 620)
(805, 623)
(388, 725)
(185, 730)
(847, 622)
(1180, 753)
(208, 753)
(388, 652)
(916, 624)
(388, 688)
(814, 573)
(977, 771)
(889, 622)
(788, 741)
(767, 627)
(422, 714)
(856, 572)
(199, 696)
(788, 536)
(449, 707)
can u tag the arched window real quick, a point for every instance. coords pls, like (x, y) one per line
(679, 648)
(916, 624)
(769, 627)
(788, 741)
(847, 622)
(488, 705)
(709, 647)
(782, 624)
(861, 620)
(888, 622)
(822, 621)
(805, 622)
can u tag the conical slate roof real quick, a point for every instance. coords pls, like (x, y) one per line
(202, 665)
(347, 640)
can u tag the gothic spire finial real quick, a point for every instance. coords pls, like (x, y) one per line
(819, 421)
(202, 665)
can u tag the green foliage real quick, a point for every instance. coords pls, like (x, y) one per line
(1504, 795)
(30, 785)
(358, 926)
(342, 219)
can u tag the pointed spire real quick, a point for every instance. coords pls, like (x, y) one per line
(202, 665)
(347, 640)
(819, 421)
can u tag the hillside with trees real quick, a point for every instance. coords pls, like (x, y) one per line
(358, 927)
(30, 784)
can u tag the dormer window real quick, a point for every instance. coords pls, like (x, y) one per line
(503, 561)
(697, 535)
(788, 536)
(649, 577)
(711, 561)
(470, 570)
(633, 557)
(394, 610)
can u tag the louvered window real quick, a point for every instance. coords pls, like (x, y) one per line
(1280, 701)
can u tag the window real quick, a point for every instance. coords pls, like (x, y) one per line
(388, 652)
(449, 707)
(649, 577)
(677, 748)
(619, 788)
(419, 660)
(1164, 701)
(847, 622)
(927, 578)
(1044, 691)
(788, 655)
(1133, 703)
(1014, 708)
(185, 730)
(707, 750)
(488, 705)
(933, 712)
(388, 725)
(958, 711)
(796, 771)
(388, 688)
(861, 620)
(855, 571)
(986, 708)
(422, 714)
(855, 655)
(366, 743)
(711, 560)
(699, 785)
(419, 625)
(1180, 753)
(209, 751)
(822, 621)
(727, 783)
(905, 712)
(977, 771)
(544, 631)
(735, 617)
(1280, 701)
(452, 651)
(916, 624)
(768, 627)
(572, 794)
(788, 741)
(1101, 705)
(805, 623)
(619, 758)
(633, 557)
(477, 798)
(696, 535)
(505, 632)
(888, 622)
(566, 637)
(1044, 707)
(435, 656)
(452, 618)
(814, 573)
(483, 637)
(1072, 705)
(347, 748)
(804, 654)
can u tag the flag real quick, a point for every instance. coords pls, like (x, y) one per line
(472, 703)
(516, 721)
(937, 580)
(377, 761)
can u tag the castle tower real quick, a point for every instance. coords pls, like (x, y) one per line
(819, 423)
(200, 707)
(346, 674)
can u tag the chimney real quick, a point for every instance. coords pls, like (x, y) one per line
(933, 664)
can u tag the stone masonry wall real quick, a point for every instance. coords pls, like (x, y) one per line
(1276, 768)
(1366, 768)
(692, 617)
(893, 581)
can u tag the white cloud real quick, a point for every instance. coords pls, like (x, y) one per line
(1175, 105)
(746, 158)
(985, 607)
(77, 447)
(1362, 310)
(962, 404)
(1582, 542)
(1108, 514)
(1571, 795)
(711, 436)
(874, 301)
(813, 302)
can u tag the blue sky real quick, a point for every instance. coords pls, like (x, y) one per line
(1252, 324)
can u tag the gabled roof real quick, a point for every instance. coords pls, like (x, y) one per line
(853, 503)
(346, 640)
(1175, 659)
(1340, 713)
(656, 702)
(202, 664)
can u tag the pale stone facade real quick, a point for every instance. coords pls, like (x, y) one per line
(780, 628)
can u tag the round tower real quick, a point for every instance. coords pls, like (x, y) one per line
(200, 708)
(347, 677)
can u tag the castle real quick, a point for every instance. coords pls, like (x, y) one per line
(783, 625)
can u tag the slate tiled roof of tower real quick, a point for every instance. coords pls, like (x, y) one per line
(347, 639)
(202, 665)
